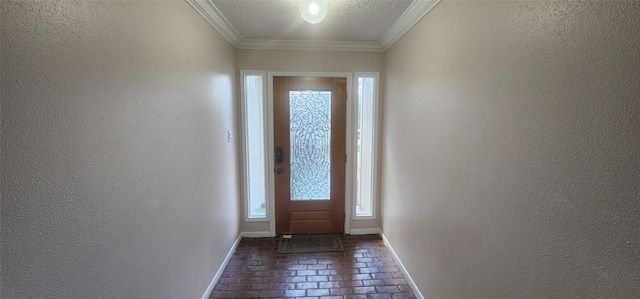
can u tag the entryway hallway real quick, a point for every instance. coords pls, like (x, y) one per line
(509, 157)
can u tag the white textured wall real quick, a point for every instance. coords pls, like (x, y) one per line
(311, 61)
(511, 164)
(118, 181)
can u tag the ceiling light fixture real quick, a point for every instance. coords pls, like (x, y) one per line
(313, 11)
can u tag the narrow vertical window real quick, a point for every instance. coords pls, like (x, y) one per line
(255, 186)
(366, 147)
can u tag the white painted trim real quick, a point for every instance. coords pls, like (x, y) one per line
(271, 179)
(215, 279)
(214, 17)
(404, 271)
(262, 234)
(256, 44)
(365, 231)
(408, 19)
(349, 174)
(350, 143)
(347, 75)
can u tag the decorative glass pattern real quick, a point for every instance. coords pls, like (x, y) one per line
(310, 131)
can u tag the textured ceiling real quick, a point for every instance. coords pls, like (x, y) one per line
(346, 20)
(350, 25)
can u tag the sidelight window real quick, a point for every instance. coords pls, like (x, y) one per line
(366, 146)
(254, 145)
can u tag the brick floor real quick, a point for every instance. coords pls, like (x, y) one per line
(365, 269)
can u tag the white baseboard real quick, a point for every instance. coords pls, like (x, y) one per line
(365, 231)
(264, 234)
(215, 279)
(407, 277)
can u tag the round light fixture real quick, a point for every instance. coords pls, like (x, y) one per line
(313, 11)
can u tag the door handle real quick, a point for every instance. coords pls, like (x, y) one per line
(278, 170)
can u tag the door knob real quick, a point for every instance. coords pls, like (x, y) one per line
(278, 170)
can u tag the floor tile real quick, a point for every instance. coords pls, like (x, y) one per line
(364, 270)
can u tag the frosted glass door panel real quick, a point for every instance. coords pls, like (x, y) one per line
(310, 134)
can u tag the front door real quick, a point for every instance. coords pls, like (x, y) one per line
(310, 149)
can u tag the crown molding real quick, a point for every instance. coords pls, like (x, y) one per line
(254, 44)
(408, 19)
(211, 13)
